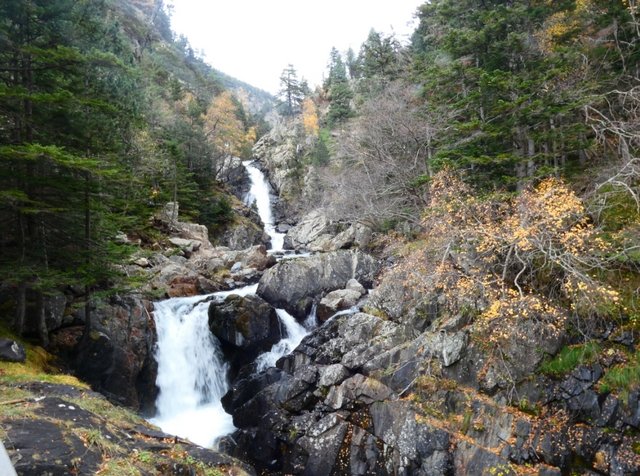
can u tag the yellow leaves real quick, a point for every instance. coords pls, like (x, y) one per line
(561, 24)
(310, 117)
(589, 297)
(224, 130)
(494, 322)
(186, 103)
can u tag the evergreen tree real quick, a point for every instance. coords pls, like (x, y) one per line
(340, 94)
(515, 118)
(352, 63)
(379, 57)
(66, 106)
(291, 92)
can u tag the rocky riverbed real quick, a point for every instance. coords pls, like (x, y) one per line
(389, 383)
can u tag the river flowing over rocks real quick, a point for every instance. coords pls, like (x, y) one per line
(304, 355)
(324, 377)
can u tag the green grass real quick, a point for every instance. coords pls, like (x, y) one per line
(570, 357)
(40, 366)
(623, 378)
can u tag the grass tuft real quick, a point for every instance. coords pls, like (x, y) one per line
(570, 357)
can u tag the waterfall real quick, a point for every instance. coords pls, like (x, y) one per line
(192, 374)
(294, 335)
(260, 193)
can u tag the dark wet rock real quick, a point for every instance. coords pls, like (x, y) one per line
(472, 459)
(297, 393)
(322, 444)
(246, 327)
(357, 389)
(37, 447)
(243, 390)
(12, 351)
(332, 375)
(53, 432)
(295, 284)
(422, 448)
(335, 301)
(114, 358)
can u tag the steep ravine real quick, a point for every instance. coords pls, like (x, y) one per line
(397, 386)
(404, 388)
(385, 385)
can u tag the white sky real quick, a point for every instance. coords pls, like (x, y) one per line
(254, 40)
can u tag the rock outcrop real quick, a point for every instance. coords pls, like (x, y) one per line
(116, 357)
(245, 326)
(365, 394)
(316, 232)
(296, 284)
(57, 429)
(277, 152)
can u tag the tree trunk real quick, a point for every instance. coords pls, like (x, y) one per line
(43, 332)
(21, 308)
(87, 244)
(531, 152)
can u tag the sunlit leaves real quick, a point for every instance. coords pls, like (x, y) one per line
(223, 127)
(310, 117)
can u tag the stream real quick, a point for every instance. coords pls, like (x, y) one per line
(192, 372)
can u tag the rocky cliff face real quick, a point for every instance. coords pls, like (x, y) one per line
(117, 356)
(421, 394)
(281, 154)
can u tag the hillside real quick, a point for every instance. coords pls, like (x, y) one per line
(460, 219)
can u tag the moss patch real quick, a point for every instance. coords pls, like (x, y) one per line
(570, 357)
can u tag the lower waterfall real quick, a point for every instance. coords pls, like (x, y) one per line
(192, 375)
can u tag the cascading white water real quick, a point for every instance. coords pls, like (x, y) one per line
(260, 193)
(295, 333)
(192, 375)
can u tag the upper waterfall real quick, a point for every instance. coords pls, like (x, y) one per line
(260, 193)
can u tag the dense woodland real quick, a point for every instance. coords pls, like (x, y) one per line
(104, 117)
(501, 146)
(493, 161)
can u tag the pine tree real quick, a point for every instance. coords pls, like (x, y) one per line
(66, 106)
(340, 94)
(291, 92)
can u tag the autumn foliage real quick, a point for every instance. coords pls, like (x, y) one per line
(224, 130)
(534, 256)
(310, 117)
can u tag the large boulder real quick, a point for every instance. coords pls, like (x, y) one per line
(246, 327)
(313, 228)
(116, 357)
(316, 232)
(12, 351)
(340, 299)
(295, 284)
(241, 235)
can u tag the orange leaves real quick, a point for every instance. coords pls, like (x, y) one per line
(224, 130)
(310, 117)
(529, 256)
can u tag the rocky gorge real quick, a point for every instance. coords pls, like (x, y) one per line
(384, 382)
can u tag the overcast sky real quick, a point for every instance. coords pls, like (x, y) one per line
(254, 40)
